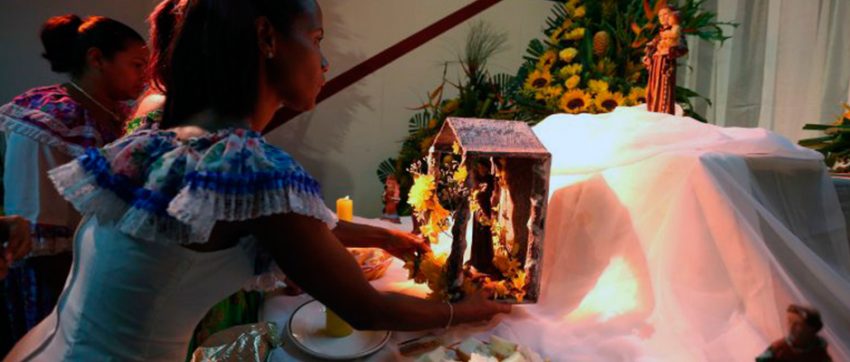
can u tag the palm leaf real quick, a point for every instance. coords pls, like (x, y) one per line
(419, 122)
(385, 169)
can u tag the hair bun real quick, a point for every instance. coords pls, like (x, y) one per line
(59, 35)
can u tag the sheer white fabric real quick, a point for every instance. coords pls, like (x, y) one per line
(671, 240)
(668, 239)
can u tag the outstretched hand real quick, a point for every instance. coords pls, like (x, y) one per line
(405, 245)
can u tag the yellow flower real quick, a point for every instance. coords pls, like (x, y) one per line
(575, 101)
(636, 96)
(432, 123)
(633, 71)
(606, 67)
(556, 35)
(538, 79)
(421, 192)
(519, 280)
(580, 12)
(549, 93)
(450, 106)
(568, 54)
(576, 34)
(572, 81)
(569, 70)
(460, 175)
(597, 86)
(504, 263)
(606, 101)
(547, 60)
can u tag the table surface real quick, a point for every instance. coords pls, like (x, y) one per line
(279, 309)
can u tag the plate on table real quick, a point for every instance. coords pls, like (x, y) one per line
(306, 326)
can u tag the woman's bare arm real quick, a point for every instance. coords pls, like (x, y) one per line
(309, 253)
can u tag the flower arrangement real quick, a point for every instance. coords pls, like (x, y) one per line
(435, 202)
(590, 59)
(835, 144)
(480, 94)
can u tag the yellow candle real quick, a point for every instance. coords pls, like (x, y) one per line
(335, 326)
(345, 209)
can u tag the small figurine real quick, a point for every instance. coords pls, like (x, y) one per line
(802, 342)
(391, 196)
(660, 60)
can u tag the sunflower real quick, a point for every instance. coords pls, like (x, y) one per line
(421, 192)
(570, 70)
(568, 54)
(572, 81)
(559, 32)
(636, 96)
(549, 93)
(556, 34)
(575, 101)
(606, 101)
(597, 86)
(547, 60)
(576, 34)
(538, 79)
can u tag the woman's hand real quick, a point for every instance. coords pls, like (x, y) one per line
(478, 307)
(15, 241)
(403, 245)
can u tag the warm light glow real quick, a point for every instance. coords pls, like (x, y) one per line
(615, 294)
(409, 287)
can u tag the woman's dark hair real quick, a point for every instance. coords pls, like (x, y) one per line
(163, 21)
(67, 39)
(214, 57)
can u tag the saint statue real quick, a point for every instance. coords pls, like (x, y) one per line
(660, 60)
(391, 196)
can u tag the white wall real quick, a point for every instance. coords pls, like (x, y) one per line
(348, 135)
(21, 64)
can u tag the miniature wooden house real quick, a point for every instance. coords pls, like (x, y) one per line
(508, 170)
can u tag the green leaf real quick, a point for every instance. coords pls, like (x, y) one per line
(419, 122)
(386, 168)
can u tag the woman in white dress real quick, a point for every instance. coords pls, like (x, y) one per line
(104, 61)
(163, 207)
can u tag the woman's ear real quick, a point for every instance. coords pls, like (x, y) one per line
(94, 58)
(265, 37)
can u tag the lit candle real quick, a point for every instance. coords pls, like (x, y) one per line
(334, 325)
(345, 209)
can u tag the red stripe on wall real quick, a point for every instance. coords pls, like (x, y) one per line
(387, 56)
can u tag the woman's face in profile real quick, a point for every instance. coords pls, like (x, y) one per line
(298, 67)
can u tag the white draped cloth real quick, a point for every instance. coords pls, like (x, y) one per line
(669, 239)
(672, 240)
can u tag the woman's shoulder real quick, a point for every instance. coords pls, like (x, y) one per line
(51, 116)
(184, 180)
